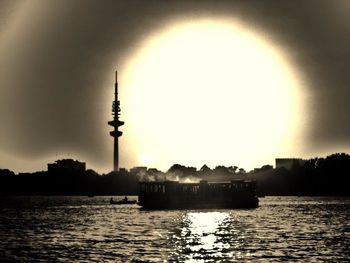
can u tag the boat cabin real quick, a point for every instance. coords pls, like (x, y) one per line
(173, 194)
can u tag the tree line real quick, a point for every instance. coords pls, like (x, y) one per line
(329, 176)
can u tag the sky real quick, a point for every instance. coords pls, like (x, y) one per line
(57, 60)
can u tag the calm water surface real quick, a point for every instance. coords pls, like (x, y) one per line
(82, 229)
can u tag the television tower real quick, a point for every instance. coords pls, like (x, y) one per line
(116, 123)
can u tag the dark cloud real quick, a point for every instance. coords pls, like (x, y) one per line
(56, 58)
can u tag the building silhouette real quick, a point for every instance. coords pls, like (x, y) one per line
(66, 167)
(288, 163)
(116, 123)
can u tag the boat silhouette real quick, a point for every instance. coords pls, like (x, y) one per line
(125, 201)
(202, 195)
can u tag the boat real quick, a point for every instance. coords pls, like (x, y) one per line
(202, 195)
(125, 201)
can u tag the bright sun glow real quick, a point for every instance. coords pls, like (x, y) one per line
(210, 93)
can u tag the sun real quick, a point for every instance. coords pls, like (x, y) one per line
(210, 92)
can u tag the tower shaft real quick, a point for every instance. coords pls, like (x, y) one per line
(116, 155)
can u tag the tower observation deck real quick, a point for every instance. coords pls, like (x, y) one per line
(116, 123)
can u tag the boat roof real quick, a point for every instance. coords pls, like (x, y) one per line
(202, 181)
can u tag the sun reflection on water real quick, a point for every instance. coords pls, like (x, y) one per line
(204, 236)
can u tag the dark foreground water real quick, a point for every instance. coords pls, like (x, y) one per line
(82, 229)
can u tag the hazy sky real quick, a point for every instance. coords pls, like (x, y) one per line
(57, 60)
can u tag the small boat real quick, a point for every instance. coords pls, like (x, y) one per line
(125, 201)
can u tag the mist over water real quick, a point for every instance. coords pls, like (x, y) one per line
(64, 229)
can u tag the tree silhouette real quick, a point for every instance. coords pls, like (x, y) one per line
(241, 171)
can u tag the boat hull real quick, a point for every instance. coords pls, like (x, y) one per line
(241, 204)
(122, 202)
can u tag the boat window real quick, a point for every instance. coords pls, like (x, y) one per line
(195, 188)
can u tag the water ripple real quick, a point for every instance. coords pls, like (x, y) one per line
(61, 229)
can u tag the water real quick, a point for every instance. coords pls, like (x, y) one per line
(82, 229)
